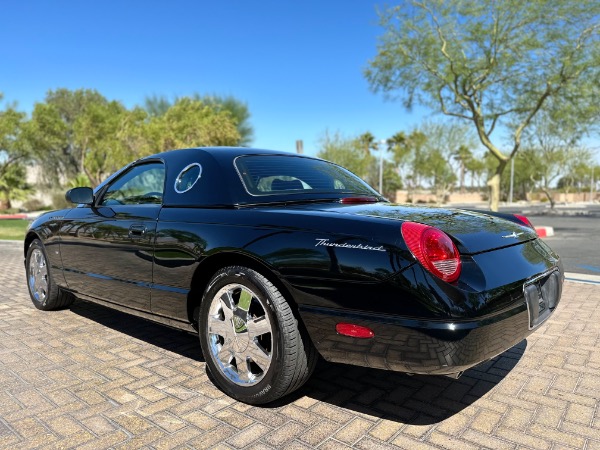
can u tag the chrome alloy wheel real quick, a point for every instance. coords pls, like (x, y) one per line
(38, 275)
(240, 334)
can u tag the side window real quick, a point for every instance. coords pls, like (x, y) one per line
(141, 185)
(187, 178)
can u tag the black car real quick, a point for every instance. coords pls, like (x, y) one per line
(275, 258)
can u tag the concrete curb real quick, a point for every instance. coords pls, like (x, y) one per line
(13, 216)
(544, 231)
(29, 215)
(582, 278)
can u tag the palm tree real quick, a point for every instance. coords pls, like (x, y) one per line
(368, 142)
(463, 155)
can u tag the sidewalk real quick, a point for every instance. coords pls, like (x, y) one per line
(92, 378)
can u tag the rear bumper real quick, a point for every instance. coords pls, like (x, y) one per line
(432, 347)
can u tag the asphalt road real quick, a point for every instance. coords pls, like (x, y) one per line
(576, 233)
(576, 239)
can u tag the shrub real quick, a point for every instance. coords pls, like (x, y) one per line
(59, 201)
(35, 204)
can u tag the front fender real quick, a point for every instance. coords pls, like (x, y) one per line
(46, 228)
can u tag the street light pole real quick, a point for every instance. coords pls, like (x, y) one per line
(383, 141)
(592, 184)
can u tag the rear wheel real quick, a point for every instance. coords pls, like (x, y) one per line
(44, 293)
(255, 348)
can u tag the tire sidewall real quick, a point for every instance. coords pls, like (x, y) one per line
(262, 391)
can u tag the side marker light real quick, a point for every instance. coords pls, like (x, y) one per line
(355, 331)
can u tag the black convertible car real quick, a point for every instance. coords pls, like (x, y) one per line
(274, 258)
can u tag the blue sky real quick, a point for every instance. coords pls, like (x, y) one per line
(298, 65)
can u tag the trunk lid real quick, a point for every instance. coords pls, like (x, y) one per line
(472, 231)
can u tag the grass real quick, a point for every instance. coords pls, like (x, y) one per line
(13, 229)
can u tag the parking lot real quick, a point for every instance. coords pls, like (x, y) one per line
(88, 377)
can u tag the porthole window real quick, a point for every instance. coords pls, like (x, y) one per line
(187, 178)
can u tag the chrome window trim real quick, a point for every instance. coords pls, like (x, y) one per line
(178, 177)
(302, 192)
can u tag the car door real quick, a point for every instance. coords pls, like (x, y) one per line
(107, 249)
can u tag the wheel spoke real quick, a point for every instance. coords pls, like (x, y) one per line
(38, 284)
(219, 327)
(225, 355)
(43, 270)
(258, 326)
(42, 291)
(259, 355)
(39, 259)
(227, 306)
(243, 370)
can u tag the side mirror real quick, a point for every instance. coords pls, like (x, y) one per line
(78, 195)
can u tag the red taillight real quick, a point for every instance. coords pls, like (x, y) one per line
(524, 220)
(355, 200)
(433, 249)
(356, 331)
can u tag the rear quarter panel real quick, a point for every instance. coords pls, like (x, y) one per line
(360, 253)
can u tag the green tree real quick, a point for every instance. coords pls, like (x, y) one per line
(190, 123)
(491, 63)
(347, 152)
(463, 155)
(14, 152)
(447, 147)
(391, 180)
(476, 168)
(239, 112)
(96, 134)
(74, 132)
(438, 172)
(12, 148)
(13, 184)
(526, 176)
(397, 146)
(157, 106)
(407, 155)
(81, 132)
(354, 154)
(136, 133)
(578, 171)
(368, 142)
(81, 180)
(554, 145)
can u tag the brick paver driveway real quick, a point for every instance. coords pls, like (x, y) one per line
(89, 377)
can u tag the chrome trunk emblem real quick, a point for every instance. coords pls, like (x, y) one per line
(513, 235)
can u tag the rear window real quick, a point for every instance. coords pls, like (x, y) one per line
(280, 174)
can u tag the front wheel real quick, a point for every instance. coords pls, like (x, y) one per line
(44, 293)
(254, 346)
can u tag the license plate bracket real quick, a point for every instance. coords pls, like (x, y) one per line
(541, 295)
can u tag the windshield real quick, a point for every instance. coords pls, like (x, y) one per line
(281, 174)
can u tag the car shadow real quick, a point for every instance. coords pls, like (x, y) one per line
(177, 341)
(417, 399)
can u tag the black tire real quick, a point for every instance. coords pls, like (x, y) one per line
(43, 291)
(246, 361)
